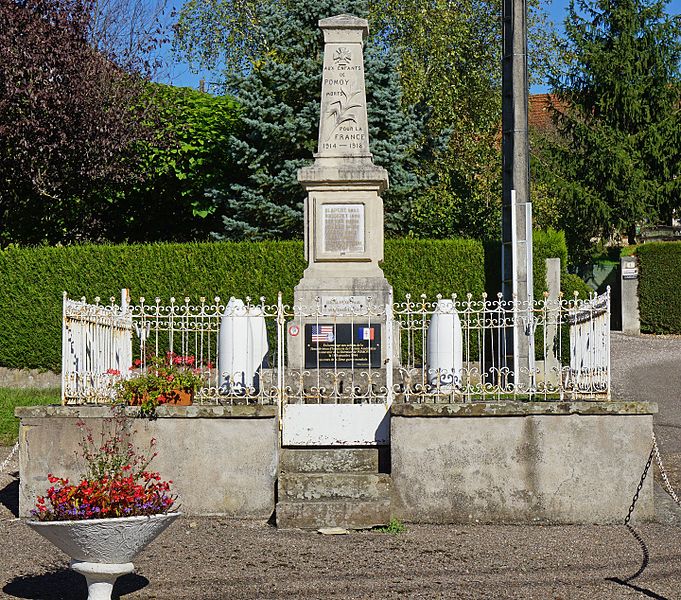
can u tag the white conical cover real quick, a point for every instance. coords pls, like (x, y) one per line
(242, 346)
(445, 350)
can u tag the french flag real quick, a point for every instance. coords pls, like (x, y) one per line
(366, 333)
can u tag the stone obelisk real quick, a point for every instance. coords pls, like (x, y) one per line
(343, 208)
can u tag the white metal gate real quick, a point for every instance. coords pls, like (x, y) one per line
(337, 388)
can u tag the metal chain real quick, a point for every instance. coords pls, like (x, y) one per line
(654, 453)
(640, 483)
(4, 464)
(667, 485)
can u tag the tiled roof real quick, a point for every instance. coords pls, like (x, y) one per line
(539, 113)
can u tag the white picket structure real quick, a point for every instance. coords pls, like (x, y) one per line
(590, 346)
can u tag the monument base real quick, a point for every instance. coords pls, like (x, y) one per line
(340, 322)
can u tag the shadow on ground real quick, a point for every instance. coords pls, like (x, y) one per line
(66, 584)
(9, 497)
(645, 561)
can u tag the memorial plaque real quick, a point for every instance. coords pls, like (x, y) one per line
(342, 345)
(338, 305)
(343, 228)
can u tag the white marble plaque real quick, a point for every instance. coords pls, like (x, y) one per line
(343, 228)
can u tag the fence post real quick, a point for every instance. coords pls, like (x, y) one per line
(280, 361)
(390, 346)
(64, 348)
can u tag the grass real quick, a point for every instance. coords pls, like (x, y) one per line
(10, 398)
(395, 526)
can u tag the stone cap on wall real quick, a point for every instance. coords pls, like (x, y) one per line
(195, 411)
(520, 409)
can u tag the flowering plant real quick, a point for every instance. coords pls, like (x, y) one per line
(161, 382)
(116, 482)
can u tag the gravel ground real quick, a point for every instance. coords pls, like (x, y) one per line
(218, 558)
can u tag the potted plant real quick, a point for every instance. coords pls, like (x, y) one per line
(117, 508)
(169, 380)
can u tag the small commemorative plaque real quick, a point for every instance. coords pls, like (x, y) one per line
(342, 345)
(338, 305)
(343, 228)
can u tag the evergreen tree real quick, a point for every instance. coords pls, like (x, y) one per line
(279, 95)
(620, 120)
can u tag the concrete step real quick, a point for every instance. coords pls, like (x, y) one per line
(333, 486)
(326, 460)
(350, 514)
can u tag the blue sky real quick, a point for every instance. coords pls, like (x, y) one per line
(181, 75)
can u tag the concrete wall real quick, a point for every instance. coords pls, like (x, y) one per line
(29, 378)
(222, 460)
(523, 462)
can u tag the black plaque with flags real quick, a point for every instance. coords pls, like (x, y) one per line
(342, 345)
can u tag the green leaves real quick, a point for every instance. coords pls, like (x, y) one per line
(659, 283)
(618, 163)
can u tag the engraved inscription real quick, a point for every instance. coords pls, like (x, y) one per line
(343, 228)
(335, 305)
(343, 129)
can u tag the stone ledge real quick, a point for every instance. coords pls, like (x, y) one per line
(196, 411)
(519, 409)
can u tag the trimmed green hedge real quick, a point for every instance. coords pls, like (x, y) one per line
(34, 279)
(658, 287)
(545, 244)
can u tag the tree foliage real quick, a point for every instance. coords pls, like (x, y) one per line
(619, 116)
(70, 116)
(279, 98)
(189, 152)
(448, 57)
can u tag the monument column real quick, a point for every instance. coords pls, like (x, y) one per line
(343, 207)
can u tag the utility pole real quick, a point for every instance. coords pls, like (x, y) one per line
(516, 252)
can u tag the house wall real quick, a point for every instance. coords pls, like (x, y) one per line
(557, 462)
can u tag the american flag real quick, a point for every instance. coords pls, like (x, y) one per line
(322, 333)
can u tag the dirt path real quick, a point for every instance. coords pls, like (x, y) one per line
(215, 558)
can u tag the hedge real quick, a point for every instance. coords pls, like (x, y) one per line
(545, 244)
(658, 287)
(34, 279)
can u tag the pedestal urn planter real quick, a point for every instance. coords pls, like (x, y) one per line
(103, 549)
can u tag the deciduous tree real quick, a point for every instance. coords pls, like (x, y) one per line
(71, 117)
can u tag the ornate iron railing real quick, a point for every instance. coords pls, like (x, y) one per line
(445, 349)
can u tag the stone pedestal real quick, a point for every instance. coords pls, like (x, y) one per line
(343, 292)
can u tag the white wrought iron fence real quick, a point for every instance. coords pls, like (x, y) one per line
(96, 348)
(416, 350)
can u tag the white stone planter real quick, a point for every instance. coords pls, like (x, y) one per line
(103, 549)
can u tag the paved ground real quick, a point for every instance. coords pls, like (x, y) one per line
(218, 558)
